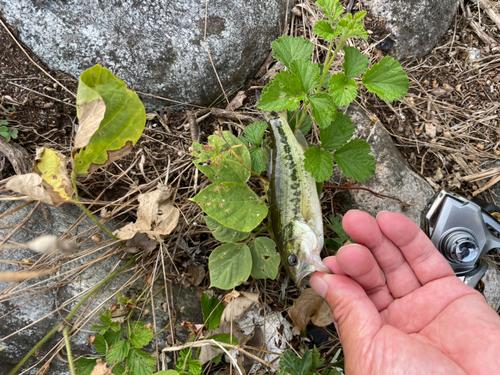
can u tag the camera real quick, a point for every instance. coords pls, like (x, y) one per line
(463, 231)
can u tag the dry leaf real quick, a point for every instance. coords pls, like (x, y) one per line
(91, 115)
(238, 306)
(430, 130)
(29, 184)
(237, 101)
(207, 353)
(141, 242)
(51, 166)
(19, 276)
(197, 274)
(310, 307)
(156, 217)
(101, 368)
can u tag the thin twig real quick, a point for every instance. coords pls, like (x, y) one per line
(378, 195)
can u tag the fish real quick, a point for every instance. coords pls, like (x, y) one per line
(296, 218)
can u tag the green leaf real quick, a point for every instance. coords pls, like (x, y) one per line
(230, 265)
(223, 161)
(259, 160)
(212, 311)
(265, 259)
(387, 79)
(336, 226)
(195, 367)
(167, 372)
(224, 338)
(338, 133)
(138, 334)
(283, 92)
(140, 363)
(255, 131)
(222, 233)
(355, 160)
(4, 122)
(293, 117)
(319, 163)
(350, 27)
(217, 359)
(118, 370)
(324, 29)
(308, 72)
(123, 121)
(234, 206)
(342, 90)
(360, 15)
(101, 346)
(324, 110)
(289, 361)
(113, 337)
(84, 366)
(106, 319)
(13, 134)
(287, 48)
(328, 6)
(355, 62)
(118, 351)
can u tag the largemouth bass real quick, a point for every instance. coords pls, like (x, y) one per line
(294, 204)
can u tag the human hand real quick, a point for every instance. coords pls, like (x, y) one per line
(400, 309)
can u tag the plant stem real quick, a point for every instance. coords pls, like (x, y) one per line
(69, 316)
(89, 214)
(68, 349)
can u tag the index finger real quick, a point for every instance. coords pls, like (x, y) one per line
(427, 262)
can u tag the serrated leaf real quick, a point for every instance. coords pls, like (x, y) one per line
(287, 48)
(118, 370)
(84, 366)
(355, 160)
(123, 121)
(217, 359)
(283, 92)
(113, 337)
(324, 29)
(355, 62)
(212, 311)
(265, 259)
(387, 79)
(140, 363)
(138, 334)
(324, 110)
(255, 131)
(118, 351)
(318, 163)
(338, 133)
(100, 344)
(350, 28)
(336, 226)
(224, 162)
(360, 15)
(234, 206)
(308, 72)
(195, 367)
(342, 90)
(328, 6)
(166, 372)
(259, 162)
(293, 117)
(222, 233)
(230, 265)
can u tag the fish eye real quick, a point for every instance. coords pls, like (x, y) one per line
(292, 260)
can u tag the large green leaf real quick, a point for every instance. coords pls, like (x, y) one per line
(230, 265)
(212, 310)
(287, 48)
(123, 121)
(343, 90)
(324, 110)
(308, 72)
(140, 363)
(265, 259)
(138, 334)
(354, 62)
(338, 133)
(355, 160)
(283, 92)
(319, 163)
(222, 233)
(233, 205)
(118, 351)
(387, 79)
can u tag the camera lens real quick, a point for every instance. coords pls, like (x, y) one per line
(461, 247)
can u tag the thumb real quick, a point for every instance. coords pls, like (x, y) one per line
(356, 317)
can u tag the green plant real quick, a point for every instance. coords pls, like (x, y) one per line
(336, 242)
(6, 132)
(292, 364)
(306, 91)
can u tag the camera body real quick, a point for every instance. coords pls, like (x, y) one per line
(463, 231)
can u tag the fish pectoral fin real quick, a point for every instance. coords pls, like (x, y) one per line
(301, 140)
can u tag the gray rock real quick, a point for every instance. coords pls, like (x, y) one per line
(416, 25)
(22, 309)
(154, 45)
(393, 176)
(491, 282)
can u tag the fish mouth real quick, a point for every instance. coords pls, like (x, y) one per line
(311, 265)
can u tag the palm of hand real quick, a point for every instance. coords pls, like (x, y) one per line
(399, 307)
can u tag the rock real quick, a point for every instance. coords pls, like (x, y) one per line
(416, 25)
(491, 282)
(17, 310)
(393, 176)
(156, 46)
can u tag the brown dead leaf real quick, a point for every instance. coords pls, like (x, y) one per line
(156, 217)
(101, 368)
(209, 352)
(237, 101)
(141, 242)
(29, 184)
(310, 307)
(197, 274)
(238, 306)
(91, 115)
(430, 130)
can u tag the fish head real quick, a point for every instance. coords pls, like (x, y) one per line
(302, 248)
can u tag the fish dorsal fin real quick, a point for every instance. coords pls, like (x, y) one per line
(302, 140)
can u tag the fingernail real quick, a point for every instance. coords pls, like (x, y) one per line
(354, 210)
(381, 212)
(319, 285)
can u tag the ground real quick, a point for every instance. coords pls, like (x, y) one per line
(447, 128)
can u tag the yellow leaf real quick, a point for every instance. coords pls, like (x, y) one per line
(52, 168)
